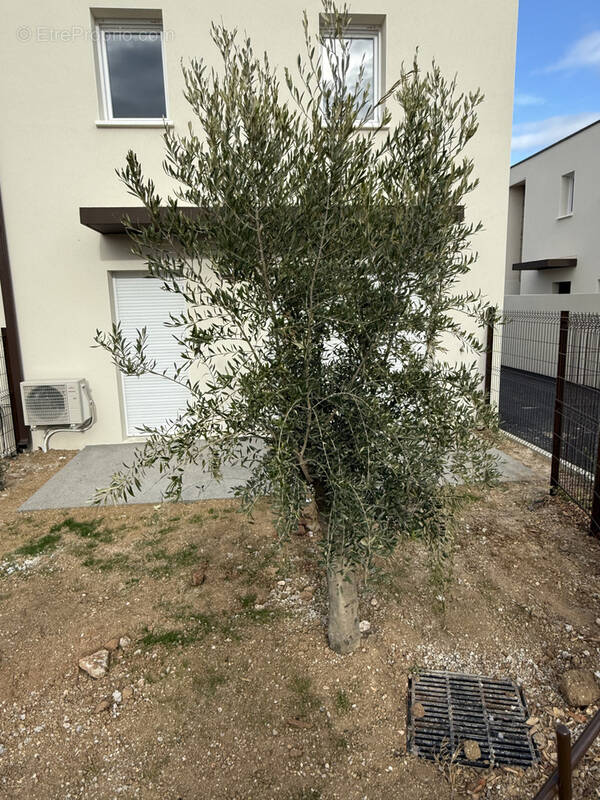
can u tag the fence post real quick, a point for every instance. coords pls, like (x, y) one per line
(565, 769)
(489, 354)
(595, 522)
(561, 369)
(580, 748)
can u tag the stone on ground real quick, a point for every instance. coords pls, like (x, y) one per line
(96, 664)
(580, 687)
(471, 750)
(127, 693)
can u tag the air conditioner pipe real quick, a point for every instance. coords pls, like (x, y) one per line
(82, 429)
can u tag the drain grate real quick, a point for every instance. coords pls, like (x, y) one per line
(457, 708)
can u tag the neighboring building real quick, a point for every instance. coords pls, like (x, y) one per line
(80, 86)
(553, 242)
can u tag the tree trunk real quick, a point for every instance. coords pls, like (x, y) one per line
(342, 584)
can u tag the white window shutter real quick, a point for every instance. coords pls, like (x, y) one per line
(140, 302)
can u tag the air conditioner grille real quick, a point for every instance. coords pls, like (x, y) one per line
(47, 403)
(53, 402)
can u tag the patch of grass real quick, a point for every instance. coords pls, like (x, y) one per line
(196, 627)
(257, 562)
(116, 561)
(196, 519)
(175, 636)
(249, 612)
(36, 547)
(208, 681)
(83, 549)
(248, 601)
(342, 702)
(260, 614)
(178, 559)
(185, 556)
(85, 530)
(305, 699)
(89, 534)
(153, 519)
(229, 631)
(159, 555)
(340, 741)
(167, 638)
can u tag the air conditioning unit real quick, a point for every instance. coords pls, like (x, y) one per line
(48, 403)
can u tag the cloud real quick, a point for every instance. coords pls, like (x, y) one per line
(585, 52)
(537, 135)
(528, 100)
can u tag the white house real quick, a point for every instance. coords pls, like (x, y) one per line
(553, 241)
(81, 85)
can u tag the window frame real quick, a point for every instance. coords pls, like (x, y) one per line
(567, 195)
(373, 32)
(127, 26)
(557, 285)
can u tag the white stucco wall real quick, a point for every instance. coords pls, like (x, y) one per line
(545, 233)
(54, 159)
(578, 303)
(516, 202)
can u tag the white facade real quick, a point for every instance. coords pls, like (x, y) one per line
(63, 136)
(554, 209)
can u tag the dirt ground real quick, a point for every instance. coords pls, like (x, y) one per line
(227, 688)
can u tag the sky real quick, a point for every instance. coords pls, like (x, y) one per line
(557, 82)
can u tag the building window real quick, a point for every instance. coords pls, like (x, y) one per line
(364, 51)
(567, 193)
(561, 287)
(132, 73)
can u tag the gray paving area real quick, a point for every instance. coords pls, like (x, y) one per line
(511, 469)
(74, 485)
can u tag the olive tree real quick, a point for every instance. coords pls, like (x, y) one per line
(321, 272)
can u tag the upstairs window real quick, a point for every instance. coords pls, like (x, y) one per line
(567, 194)
(364, 51)
(132, 74)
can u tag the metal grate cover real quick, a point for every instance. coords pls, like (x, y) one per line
(458, 708)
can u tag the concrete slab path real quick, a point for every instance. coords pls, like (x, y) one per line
(74, 485)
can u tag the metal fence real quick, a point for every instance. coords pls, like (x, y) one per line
(7, 431)
(544, 375)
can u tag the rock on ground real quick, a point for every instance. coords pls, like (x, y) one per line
(96, 664)
(471, 750)
(580, 687)
(103, 705)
